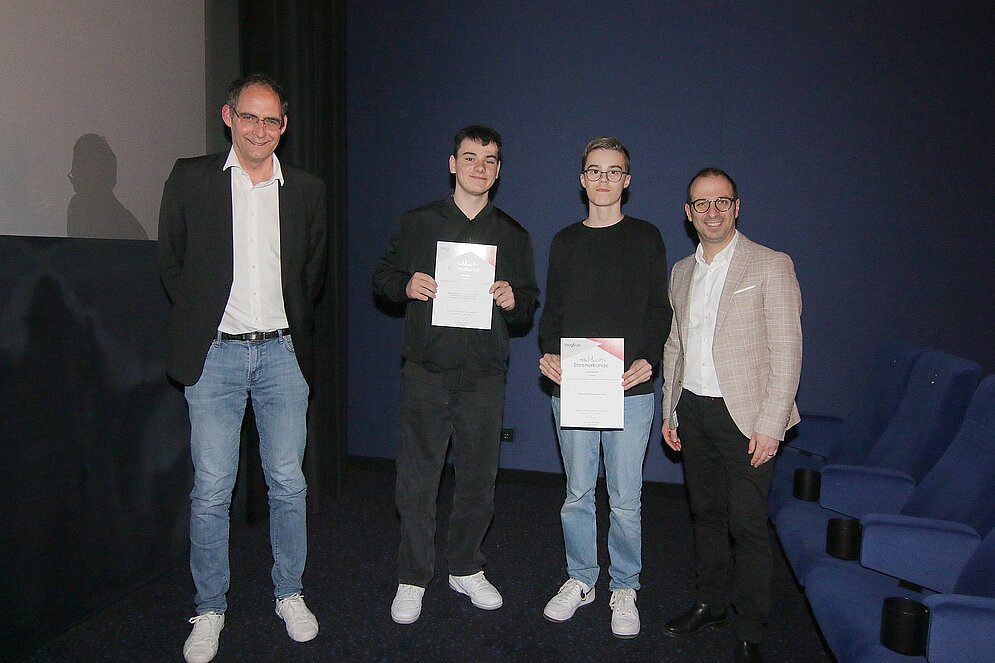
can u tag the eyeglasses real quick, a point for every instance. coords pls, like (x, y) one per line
(613, 174)
(722, 204)
(272, 123)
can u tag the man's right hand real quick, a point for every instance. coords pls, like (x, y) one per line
(549, 365)
(421, 287)
(670, 436)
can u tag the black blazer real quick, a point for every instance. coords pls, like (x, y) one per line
(196, 257)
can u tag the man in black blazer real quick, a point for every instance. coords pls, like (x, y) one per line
(242, 257)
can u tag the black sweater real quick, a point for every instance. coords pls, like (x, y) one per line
(453, 356)
(609, 283)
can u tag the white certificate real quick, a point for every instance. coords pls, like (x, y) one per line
(591, 394)
(464, 274)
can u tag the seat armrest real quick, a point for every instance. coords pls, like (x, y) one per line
(960, 628)
(925, 551)
(856, 490)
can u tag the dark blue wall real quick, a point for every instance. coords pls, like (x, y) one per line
(859, 136)
(93, 438)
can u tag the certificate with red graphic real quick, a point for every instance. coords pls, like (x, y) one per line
(464, 274)
(591, 394)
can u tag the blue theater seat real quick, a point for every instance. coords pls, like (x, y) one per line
(823, 440)
(922, 428)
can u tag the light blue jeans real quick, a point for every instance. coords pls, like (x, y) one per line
(268, 372)
(624, 452)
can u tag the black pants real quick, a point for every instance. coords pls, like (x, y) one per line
(728, 497)
(431, 415)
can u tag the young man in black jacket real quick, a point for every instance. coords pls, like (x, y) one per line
(453, 377)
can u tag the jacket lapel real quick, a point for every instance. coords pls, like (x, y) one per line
(682, 291)
(291, 233)
(218, 198)
(737, 270)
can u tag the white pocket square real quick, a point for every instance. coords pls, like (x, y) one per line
(749, 287)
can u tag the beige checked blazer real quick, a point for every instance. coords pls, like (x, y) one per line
(757, 346)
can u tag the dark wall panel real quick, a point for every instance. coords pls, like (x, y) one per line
(93, 439)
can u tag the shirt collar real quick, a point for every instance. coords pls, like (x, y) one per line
(456, 213)
(232, 162)
(723, 256)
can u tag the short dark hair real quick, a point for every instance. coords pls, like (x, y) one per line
(605, 143)
(712, 172)
(478, 134)
(238, 86)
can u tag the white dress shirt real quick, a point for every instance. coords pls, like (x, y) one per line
(256, 299)
(706, 290)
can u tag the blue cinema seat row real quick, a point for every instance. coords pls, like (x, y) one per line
(925, 422)
(925, 499)
(952, 565)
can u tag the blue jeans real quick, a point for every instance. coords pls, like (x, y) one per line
(233, 371)
(624, 452)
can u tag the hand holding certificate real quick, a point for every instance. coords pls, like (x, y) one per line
(464, 274)
(591, 394)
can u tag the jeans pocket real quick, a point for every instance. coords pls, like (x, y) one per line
(288, 343)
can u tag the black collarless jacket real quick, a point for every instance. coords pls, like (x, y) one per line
(196, 258)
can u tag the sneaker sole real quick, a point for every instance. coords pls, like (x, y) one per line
(587, 600)
(303, 638)
(405, 622)
(456, 588)
(625, 636)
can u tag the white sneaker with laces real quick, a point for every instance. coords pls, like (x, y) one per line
(202, 643)
(482, 593)
(301, 622)
(570, 596)
(625, 616)
(406, 606)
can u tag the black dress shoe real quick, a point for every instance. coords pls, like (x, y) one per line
(698, 618)
(747, 652)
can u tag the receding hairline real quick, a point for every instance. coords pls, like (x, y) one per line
(257, 79)
(712, 172)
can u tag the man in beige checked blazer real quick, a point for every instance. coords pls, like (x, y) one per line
(731, 367)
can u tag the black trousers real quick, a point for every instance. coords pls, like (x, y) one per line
(728, 499)
(431, 416)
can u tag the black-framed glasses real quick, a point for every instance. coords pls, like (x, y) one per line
(613, 174)
(722, 204)
(273, 123)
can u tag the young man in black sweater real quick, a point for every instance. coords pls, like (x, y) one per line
(453, 377)
(607, 279)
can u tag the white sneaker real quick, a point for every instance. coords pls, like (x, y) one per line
(625, 617)
(301, 622)
(202, 643)
(406, 606)
(571, 595)
(481, 592)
